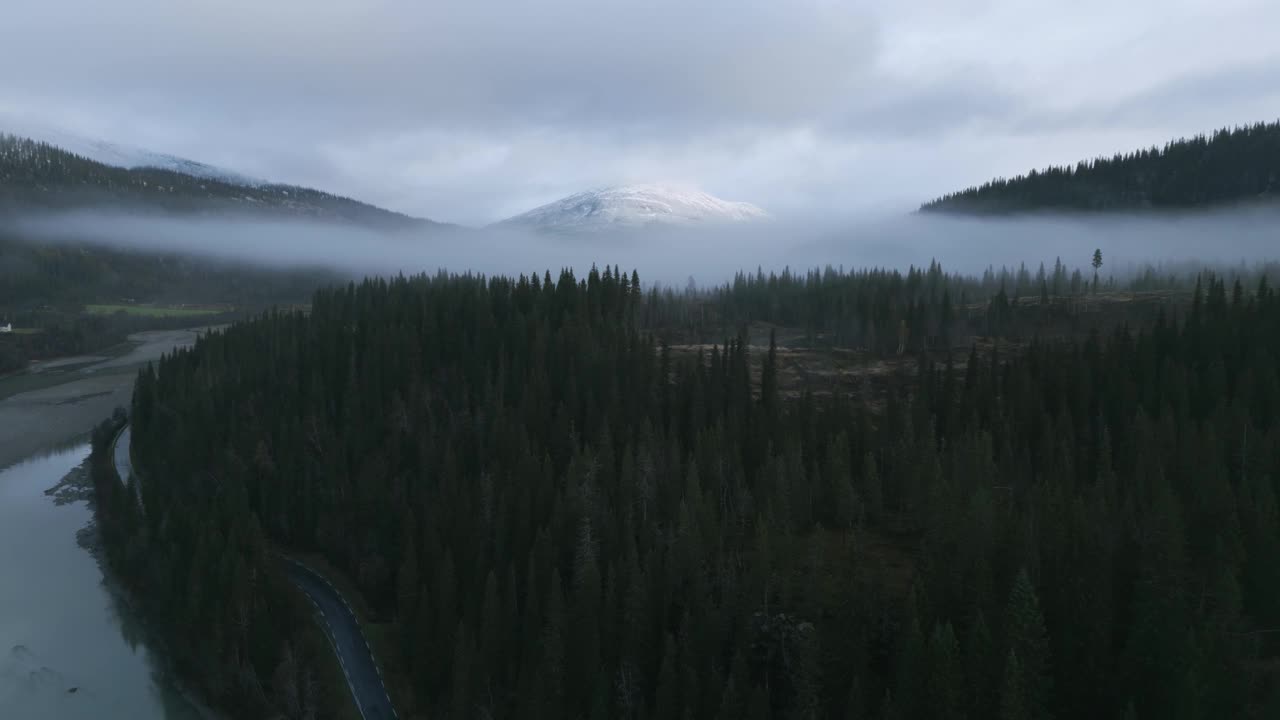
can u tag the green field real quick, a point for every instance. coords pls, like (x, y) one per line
(155, 310)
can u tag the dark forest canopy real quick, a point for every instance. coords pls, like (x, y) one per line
(1231, 166)
(37, 176)
(561, 517)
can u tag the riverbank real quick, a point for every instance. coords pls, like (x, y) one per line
(59, 401)
(75, 486)
(70, 647)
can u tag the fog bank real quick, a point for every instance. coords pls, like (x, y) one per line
(707, 254)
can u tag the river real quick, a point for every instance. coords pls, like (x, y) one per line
(70, 648)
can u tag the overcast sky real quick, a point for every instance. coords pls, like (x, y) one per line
(472, 111)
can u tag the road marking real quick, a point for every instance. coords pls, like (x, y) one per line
(369, 648)
(354, 695)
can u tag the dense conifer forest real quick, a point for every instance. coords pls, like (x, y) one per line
(561, 515)
(1230, 167)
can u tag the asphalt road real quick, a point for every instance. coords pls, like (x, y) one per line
(124, 461)
(334, 615)
(340, 626)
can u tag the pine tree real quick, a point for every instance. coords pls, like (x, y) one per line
(584, 659)
(946, 679)
(667, 701)
(855, 703)
(732, 703)
(463, 653)
(553, 668)
(871, 484)
(759, 707)
(982, 668)
(912, 668)
(1013, 691)
(407, 582)
(1027, 640)
(491, 639)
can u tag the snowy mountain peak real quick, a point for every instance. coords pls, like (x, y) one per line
(632, 206)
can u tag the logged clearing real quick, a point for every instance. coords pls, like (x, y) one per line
(808, 363)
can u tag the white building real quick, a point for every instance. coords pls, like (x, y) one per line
(6, 328)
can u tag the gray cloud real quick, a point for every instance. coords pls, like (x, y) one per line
(492, 65)
(959, 102)
(1215, 96)
(1197, 101)
(469, 111)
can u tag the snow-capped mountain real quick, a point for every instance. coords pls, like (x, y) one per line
(632, 206)
(124, 156)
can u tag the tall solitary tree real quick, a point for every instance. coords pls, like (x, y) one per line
(1097, 265)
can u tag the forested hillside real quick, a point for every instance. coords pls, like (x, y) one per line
(1230, 167)
(44, 286)
(35, 275)
(37, 176)
(44, 289)
(562, 518)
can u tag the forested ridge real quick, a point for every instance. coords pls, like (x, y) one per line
(44, 285)
(1230, 166)
(39, 176)
(562, 518)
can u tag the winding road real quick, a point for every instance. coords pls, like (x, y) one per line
(334, 615)
(123, 460)
(353, 651)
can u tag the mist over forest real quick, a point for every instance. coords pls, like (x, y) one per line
(709, 255)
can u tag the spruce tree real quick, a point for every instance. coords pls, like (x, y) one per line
(1027, 640)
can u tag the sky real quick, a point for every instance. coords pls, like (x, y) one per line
(472, 111)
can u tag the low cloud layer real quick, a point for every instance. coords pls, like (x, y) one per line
(468, 112)
(708, 255)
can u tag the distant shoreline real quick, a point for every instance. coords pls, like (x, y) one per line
(45, 411)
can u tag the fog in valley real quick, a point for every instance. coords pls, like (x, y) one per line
(709, 254)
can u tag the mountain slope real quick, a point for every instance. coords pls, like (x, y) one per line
(129, 157)
(1233, 166)
(631, 206)
(36, 176)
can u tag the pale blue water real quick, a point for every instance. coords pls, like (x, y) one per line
(60, 626)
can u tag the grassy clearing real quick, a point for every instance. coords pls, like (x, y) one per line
(158, 310)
